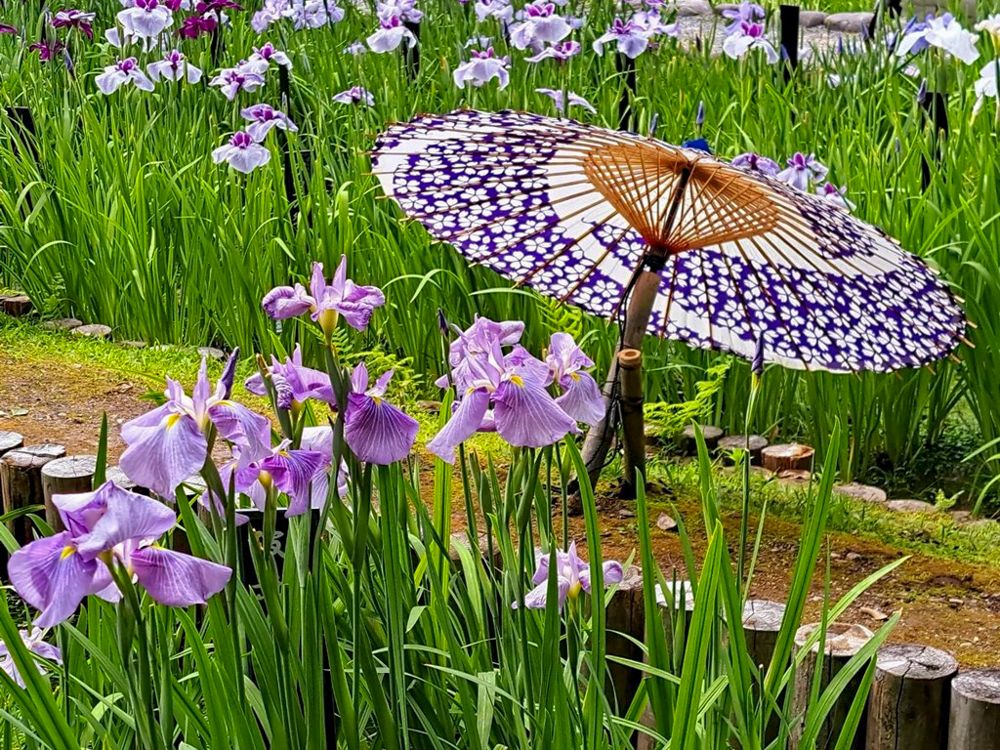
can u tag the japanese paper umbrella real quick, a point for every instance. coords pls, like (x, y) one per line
(709, 253)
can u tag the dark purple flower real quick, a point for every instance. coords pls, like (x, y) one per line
(355, 95)
(216, 6)
(744, 12)
(757, 365)
(326, 302)
(5, 29)
(74, 19)
(573, 575)
(294, 383)
(47, 49)
(193, 27)
(802, 170)
(376, 431)
(169, 444)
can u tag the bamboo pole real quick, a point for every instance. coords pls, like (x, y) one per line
(633, 428)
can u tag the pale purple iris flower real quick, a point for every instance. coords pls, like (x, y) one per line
(835, 195)
(943, 32)
(538, 26)
(573, 576)
(514, 385)
(501, 10)
(320, 439)
(757, 163)
(170, 443)
(326, 302)
(355, 95)
(121, 73)
(106, 527)
(231, 81)
(744, 12)
(986, 86)
(376, 431)
(475, 343)
(559, 52)
(748, 37)
(355, 48)
(313, 14)
(289, 471)
(483, 68)
(575, 100)
(478, 41)
(263, 118)
(390, 35)
(242, 153)
(581, 396)
(802, 170)
(262, 58)
(293, 383)
(146, 19)
(36, 645)
(174, 67)
(74, 19)
(631, 39)
(405, 10)
(651, 23)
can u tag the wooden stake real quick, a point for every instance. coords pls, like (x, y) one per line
(625, 616)
(908, 706)
(633, 430)
(975, 711)
(843, 641)
(761, 623)
(66, 476)
(789, 15)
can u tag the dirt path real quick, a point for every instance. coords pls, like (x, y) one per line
(946, 604)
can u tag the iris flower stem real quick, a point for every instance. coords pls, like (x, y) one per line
(744, 516)
(526, 544)
(64, 646)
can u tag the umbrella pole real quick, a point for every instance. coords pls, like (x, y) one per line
(600, 437)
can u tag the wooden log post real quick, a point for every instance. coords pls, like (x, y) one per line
(65, 476)
(10, 441)
(754, 443)
(633, 429)
(710, 433)
(975, 711)
(21, 484)
(843, 641)
(908, 705)
(625, 618)
(789, 457)
(761, 623)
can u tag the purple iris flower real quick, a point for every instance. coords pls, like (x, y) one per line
(390, 35)
(757, 163)
(630, 38)
(293, 383)
(146, 19)
(174, 67)
(482, 68)
(476, 343)
(802, 170)
(193, 27)
(745, 11)
(575, 100)
(34, 643)
(290, 471)
(376, 431)
(123, 72)
(170, 443)
(355, 95)
(242, 153)
(514, 385)
(47, 50)
(262, 58)
(502, 10)
(216, 6)
(326, 302)
(355, 48)
(560, 52)
(263, 118)
(747, 37)
(232, 81)
(74, 19)
(106, 527)
(406, 10)
(581, 396)
(538, 26)
(573, 575)
(835, 195)
(7, 29)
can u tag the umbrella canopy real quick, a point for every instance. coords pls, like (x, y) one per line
(577, 211)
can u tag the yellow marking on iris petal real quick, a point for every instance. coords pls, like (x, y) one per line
(574, 590)
(172, 420)
(575, 376)
(67, 551)
(516, 380)
(377, 400)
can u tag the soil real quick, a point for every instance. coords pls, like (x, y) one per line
(945, 604)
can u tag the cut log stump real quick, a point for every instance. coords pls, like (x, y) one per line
(843, 641)
(739, 442)
(975, 711)
(711, 434)
(66, 476)
(787, 457)
(16, 305)
(10, 441)
(761, 623)
(21, 483)
(908, 705)
(626, 629)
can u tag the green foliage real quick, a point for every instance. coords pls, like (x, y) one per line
(671, 418)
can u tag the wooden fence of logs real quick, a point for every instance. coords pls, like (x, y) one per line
(919, 699)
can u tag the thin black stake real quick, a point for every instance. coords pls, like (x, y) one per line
(413, 53)
(626, 69)
(935, 108)
(284, 86)
(789, 15)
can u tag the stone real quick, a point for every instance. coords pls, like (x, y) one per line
(794, 477)
(666, 523)
(961, 516)
(861, 492)
(16, 305)
(211, 352)
(430, 407)
(626, 513)
(711, 434)
(848, 23)
(853, 556)
(809, 19)
(93, 331)
(133, 344)
(873, 613)
(910, 506)
(684, 8)
(62, 324)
